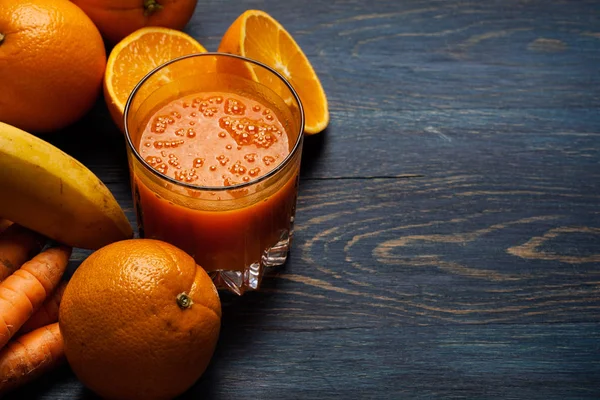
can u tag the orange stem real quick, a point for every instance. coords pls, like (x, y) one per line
(1, 38)
(184, 301)
(151, 6)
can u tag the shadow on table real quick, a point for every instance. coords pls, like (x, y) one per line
(241, 318)
(61, 382)
(312, 150)
(240, 330)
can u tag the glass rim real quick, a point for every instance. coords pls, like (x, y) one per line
(242, 185)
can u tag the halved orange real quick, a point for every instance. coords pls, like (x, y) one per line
(257, 35)
(136, 55)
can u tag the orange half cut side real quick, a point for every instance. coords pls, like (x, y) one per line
(136, 55)
(257, 35)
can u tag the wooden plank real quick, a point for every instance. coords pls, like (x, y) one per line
(519, 146)
(432, 251)
(545, 361)
(495, 361)
(437, 250)
(415, 55)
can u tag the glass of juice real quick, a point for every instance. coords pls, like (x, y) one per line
(214, 143)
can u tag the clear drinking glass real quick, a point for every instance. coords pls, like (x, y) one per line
(233, 232)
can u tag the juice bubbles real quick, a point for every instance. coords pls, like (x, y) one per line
(214, 169)
(214, 139)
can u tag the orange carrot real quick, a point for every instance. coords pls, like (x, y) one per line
(29, 356)
(22, 293)
(17, 245)
(4, 223)
(47, 313)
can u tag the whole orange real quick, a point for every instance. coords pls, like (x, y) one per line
(52, 61)
(118, 18)
(140, 320)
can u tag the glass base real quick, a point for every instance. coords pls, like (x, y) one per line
(239, 282)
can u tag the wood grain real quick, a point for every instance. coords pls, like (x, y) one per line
(448, 223)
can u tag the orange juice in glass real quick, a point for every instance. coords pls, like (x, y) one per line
(214, 159)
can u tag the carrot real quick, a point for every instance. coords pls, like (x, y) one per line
(22, 293)
(47, 313)
(17, 245)
(4, 223)
(29, 356)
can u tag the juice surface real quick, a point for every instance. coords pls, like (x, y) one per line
(214, 139)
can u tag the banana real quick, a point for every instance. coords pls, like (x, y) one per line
(50, 192)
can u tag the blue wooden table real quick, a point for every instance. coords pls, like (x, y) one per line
(448, 223)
